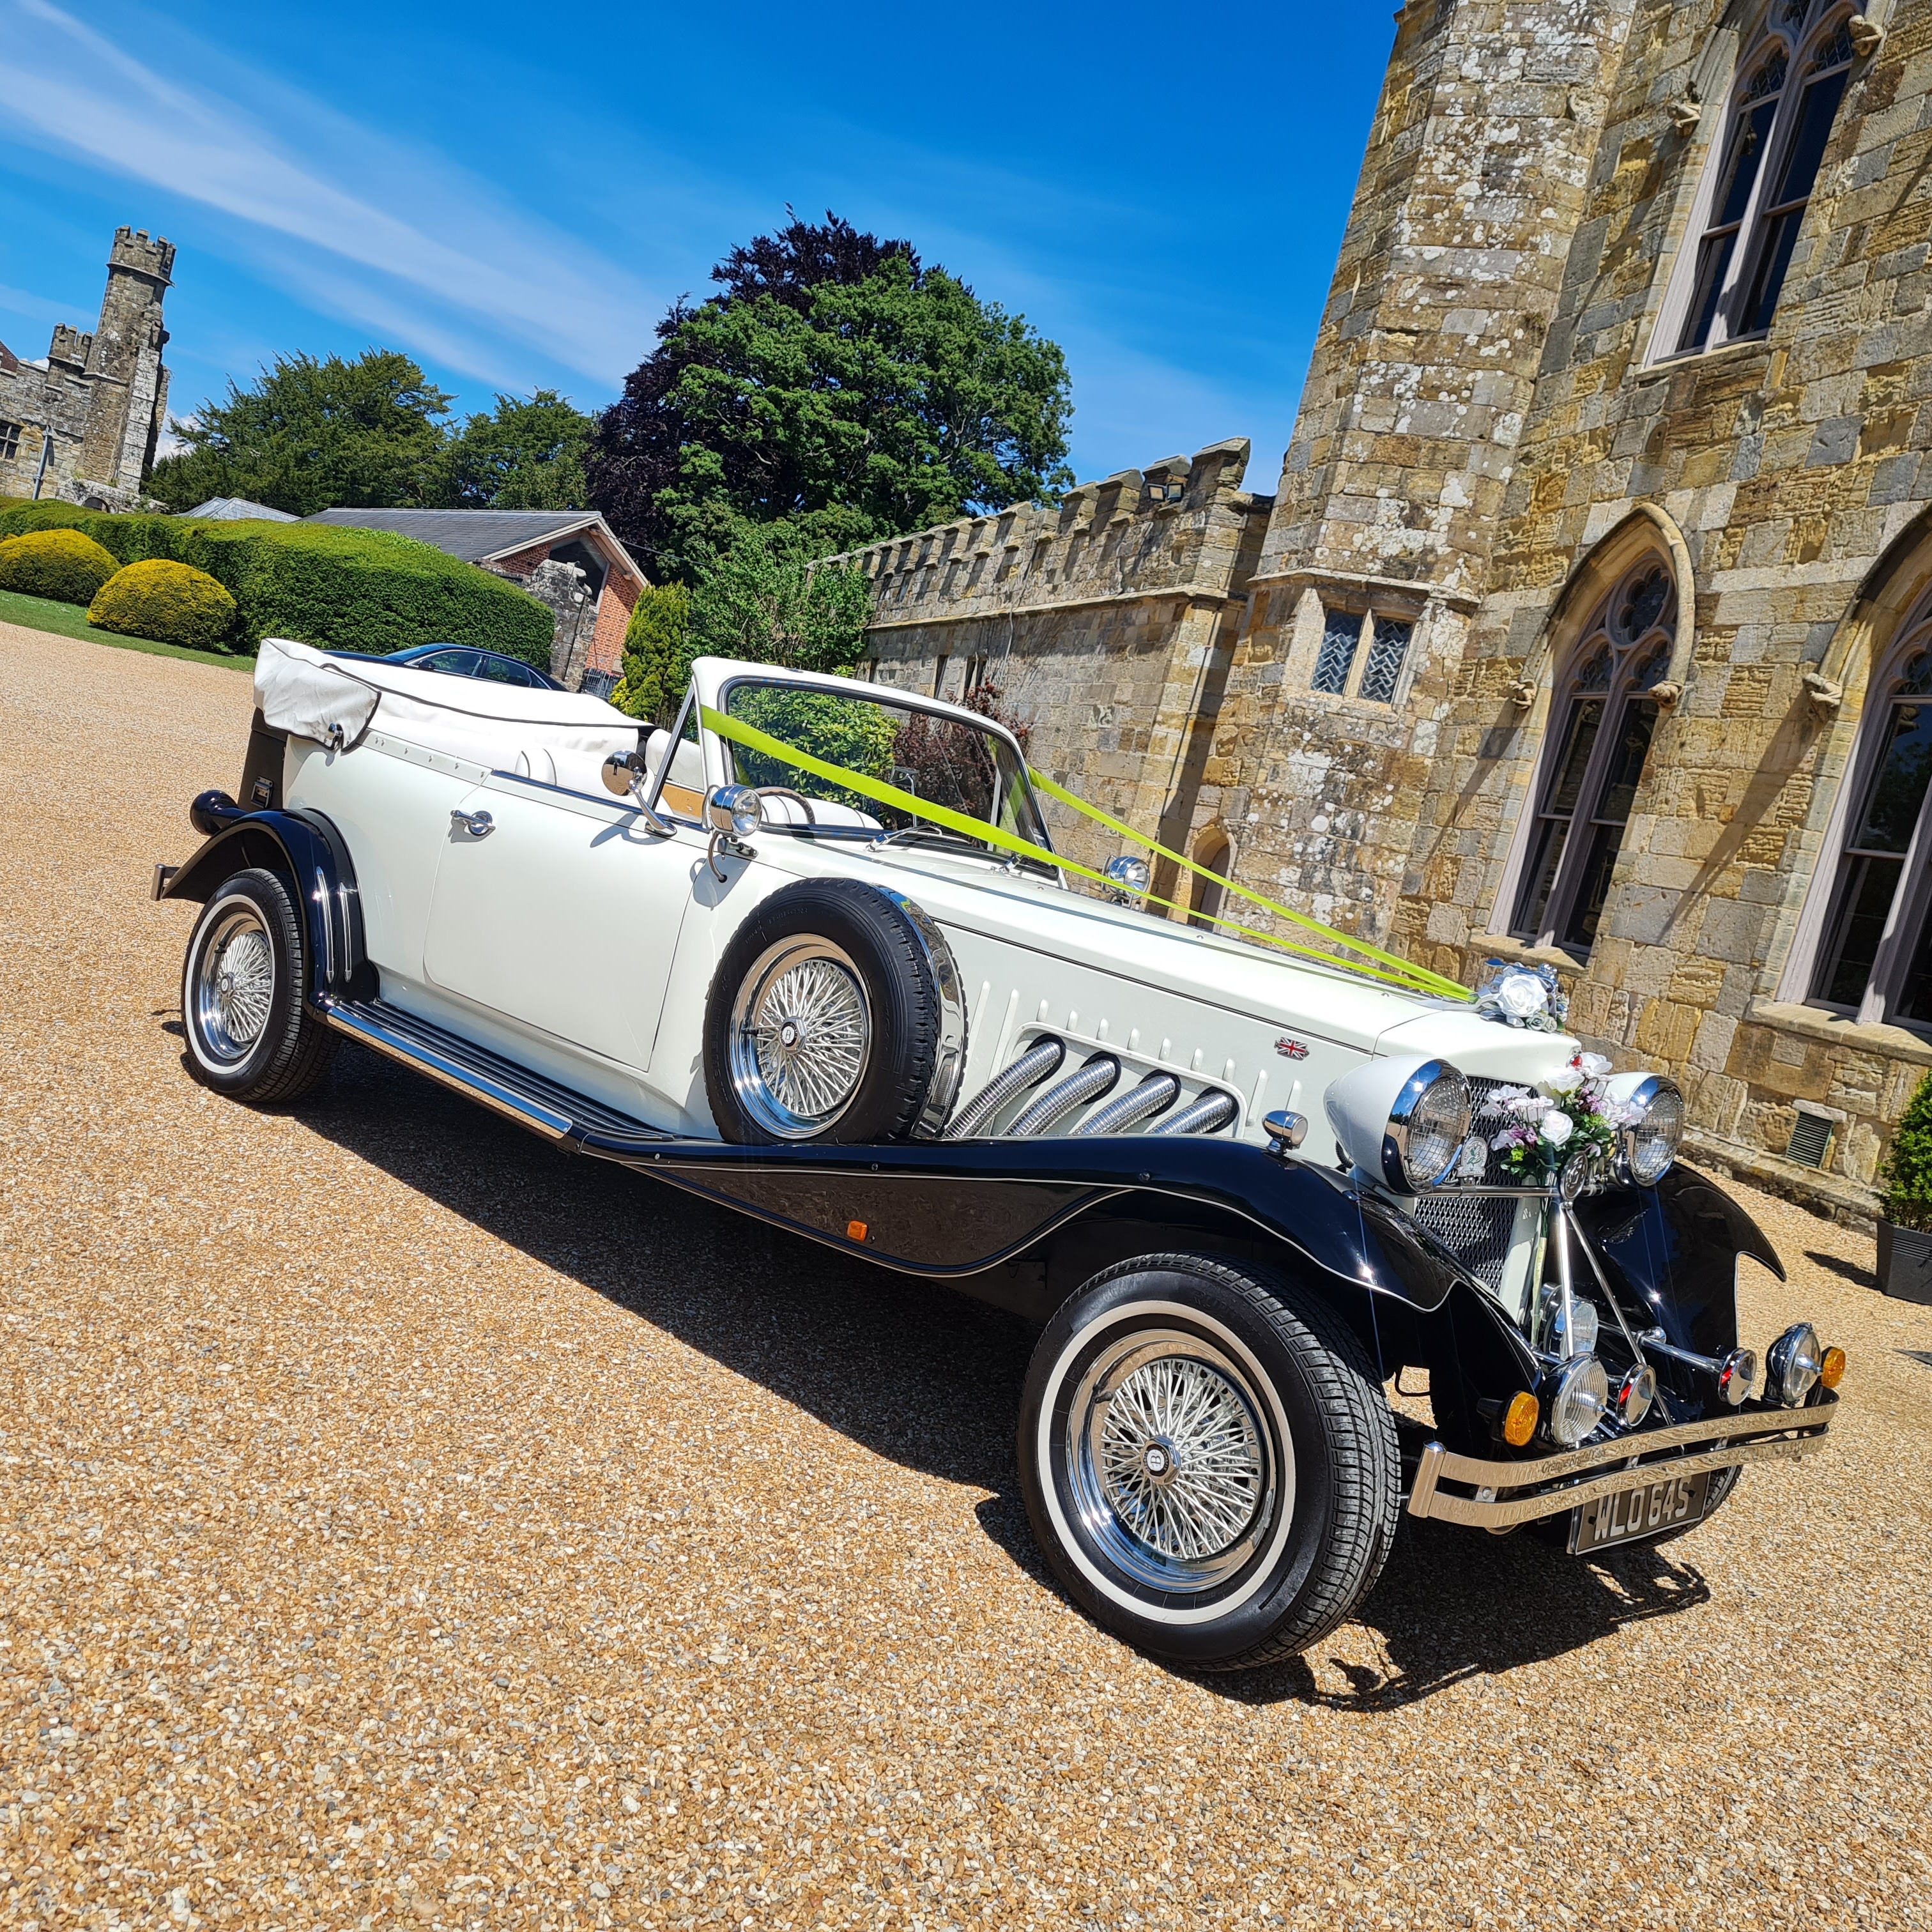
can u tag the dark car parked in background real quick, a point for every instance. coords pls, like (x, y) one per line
(464, 660)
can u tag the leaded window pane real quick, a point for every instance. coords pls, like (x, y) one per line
(1898, 792)
(1870, 885)
(1341, 631)
(1386, 654)
(1643, 604)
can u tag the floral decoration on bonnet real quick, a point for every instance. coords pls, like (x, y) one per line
(1545, 1126)
(1522, 996)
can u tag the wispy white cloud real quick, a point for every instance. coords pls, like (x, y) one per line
(462, 274)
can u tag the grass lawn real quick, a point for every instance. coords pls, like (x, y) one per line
(69, 620)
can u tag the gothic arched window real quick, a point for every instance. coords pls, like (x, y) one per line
(1875, 958)
(1766, 163)
(1602, 720)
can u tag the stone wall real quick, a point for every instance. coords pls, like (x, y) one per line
(1106, 623)
(103, 396)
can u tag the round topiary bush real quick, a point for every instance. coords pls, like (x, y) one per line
(66, 565)
(171, 603)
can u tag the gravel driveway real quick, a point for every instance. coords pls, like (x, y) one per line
(407, 1524)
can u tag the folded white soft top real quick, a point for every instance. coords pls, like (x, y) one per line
(559, 737)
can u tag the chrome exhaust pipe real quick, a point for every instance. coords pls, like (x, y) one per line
(1096, 1078)
(1154, 1095)
(1207, 1115)
(1039, 1059)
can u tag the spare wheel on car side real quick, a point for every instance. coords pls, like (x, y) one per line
(835, 1015)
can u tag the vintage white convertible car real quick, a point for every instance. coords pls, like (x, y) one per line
(812, 953)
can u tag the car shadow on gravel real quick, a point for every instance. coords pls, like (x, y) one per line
(931, 1379)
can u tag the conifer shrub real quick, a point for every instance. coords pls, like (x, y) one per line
(657, 654)
(1905, 1177)
(170, 603)
(66, 565)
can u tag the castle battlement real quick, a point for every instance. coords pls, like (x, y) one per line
(1175, 525)
(133, 250)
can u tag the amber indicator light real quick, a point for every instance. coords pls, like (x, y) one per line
(1520, 1418)
(856, 1231)
(1832, 1370)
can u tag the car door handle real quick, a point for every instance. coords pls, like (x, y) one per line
(477, 824)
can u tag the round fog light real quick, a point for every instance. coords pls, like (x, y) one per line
(1582, 1399)
(1738, 1376)
(1635, 1394)
(1795, 1363)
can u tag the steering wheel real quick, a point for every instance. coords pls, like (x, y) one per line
(786, 791)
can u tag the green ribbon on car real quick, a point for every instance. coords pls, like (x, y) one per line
(1390, 967)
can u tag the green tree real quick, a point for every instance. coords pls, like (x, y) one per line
(526, 456)
(313, 434)
(763, 599)
(836, 386)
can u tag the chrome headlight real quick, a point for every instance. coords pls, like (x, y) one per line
(1403, 1120)
(1581, 1400)
(1793, 1364)
(1562, 1339)
(1647, 1141)
(734, 809)
(1129, 876)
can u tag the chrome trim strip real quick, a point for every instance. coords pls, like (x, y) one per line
(1482, 1515)
(949, 1066)
(517, 1107)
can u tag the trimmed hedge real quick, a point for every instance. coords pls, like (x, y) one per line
(65, 565)
(340, 589)
(171, 603)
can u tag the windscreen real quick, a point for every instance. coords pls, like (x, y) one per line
(953, 763)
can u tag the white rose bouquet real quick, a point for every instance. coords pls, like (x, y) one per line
(1538, 1129)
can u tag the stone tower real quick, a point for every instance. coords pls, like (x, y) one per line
(123, 362)
(1450, 273)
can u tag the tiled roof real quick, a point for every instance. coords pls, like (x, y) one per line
(478, 535)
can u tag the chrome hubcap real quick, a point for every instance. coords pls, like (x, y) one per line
(1171, 1466)
(801, 1037)
(234, 983)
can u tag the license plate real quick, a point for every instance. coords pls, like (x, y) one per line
(1660, 1503)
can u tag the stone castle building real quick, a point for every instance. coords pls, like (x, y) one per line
(81, 424)
(1592, 623)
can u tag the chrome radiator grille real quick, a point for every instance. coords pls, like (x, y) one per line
(1476, 1231)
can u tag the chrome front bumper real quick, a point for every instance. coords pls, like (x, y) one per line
(1501, 1495)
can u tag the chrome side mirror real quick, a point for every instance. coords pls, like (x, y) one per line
(626, 775)
(623, 770)
(1129, 877)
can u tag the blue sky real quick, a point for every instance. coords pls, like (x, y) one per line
(514, 195)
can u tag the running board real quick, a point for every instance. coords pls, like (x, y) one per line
(544, 1106)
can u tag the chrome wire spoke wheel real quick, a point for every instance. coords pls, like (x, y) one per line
(234, 986)
(1170, 1462)
(801, 1037)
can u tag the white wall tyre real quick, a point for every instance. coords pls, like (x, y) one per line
(824, 1022)
(250, 1033)
(1208, 1460)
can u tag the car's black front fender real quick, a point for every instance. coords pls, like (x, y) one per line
(307, 851)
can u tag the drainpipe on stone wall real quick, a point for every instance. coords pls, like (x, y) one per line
(46, 457)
